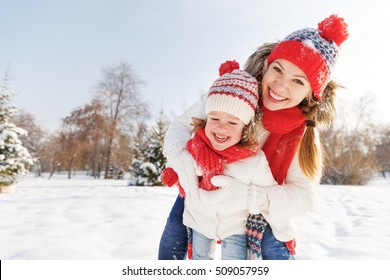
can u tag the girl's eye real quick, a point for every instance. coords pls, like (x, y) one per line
(233, 123)
(214, 119)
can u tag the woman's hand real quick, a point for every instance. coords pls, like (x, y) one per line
(184, 165)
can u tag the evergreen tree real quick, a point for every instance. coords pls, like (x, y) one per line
(154, 153)
(138, 168)
(14, 157)
(148, 162)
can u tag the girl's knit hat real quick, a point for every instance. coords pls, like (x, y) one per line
(234, 92)
(314, 51)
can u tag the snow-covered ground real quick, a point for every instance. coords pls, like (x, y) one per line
(83, 218)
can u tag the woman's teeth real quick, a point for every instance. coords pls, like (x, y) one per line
(277, 97)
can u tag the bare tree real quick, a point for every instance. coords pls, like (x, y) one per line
(350, 146)
(35, 140)
(52, 155)
(117, 90)
(383, 149)
(86, 127)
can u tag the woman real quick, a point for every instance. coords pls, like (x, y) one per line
(297, 95)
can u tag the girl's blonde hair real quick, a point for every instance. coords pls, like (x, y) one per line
(319, 114)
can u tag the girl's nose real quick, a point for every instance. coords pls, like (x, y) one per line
(221, 128)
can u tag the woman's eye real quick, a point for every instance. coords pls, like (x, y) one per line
(299, 82)
(214, 119)
(277, 69)
(233, 123)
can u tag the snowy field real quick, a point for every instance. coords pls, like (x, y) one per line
(87, 219)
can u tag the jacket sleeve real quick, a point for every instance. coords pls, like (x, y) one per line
(295, 198)
(179, 131)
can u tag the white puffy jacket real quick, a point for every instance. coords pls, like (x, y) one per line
(294, 198)
(229, 218)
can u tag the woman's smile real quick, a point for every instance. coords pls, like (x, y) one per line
(276, 96)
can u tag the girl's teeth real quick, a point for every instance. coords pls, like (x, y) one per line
(221, 137)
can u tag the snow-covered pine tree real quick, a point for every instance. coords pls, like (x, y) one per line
(149, 162)
(154, 152)
(14, 157)
(138, 167)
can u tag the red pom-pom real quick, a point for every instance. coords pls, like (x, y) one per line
(189, 251)
(334, 29)
(169, 176)
(228, 66)
(291, 245)
(182, 192)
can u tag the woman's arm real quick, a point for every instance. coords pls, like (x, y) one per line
(176, 138)
(294, 198)
(179, 131)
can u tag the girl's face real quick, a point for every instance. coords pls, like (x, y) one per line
(223, 130)
(284, 85)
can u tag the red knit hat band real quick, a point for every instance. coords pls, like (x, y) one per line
(314, 50)
(307, 59)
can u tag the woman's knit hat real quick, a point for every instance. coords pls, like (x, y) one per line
(314, 51)
(235, 92)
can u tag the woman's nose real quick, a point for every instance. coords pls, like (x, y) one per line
(280, 85)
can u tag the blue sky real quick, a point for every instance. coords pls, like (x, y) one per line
(55, 50)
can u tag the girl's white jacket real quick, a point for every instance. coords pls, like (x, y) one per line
(294, 198)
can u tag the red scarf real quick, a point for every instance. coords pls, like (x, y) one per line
(286, 127)
(211, 161)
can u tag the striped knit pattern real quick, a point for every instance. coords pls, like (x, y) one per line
(234, 93)
(312, 39)
(238, 83)
(256, 225)
(314, 51)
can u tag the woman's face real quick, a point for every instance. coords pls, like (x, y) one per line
(223, 130)
(284, 85)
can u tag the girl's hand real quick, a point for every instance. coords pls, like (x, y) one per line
(250, 197)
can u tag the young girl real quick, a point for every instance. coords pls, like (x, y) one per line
(225, 143)
(297, 95)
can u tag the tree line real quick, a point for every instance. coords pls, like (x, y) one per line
(113, 135)
(107, 137)
(356, 146)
